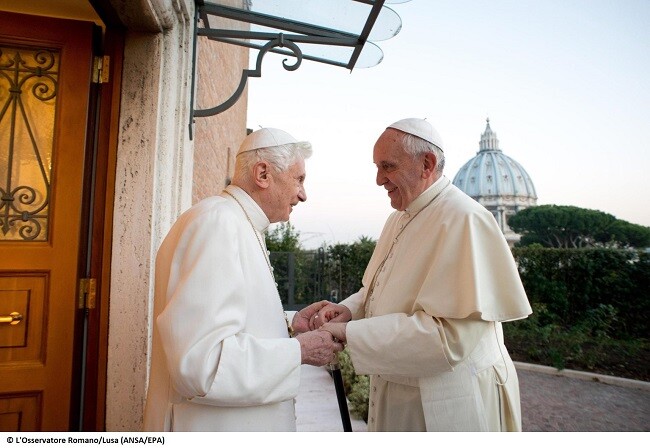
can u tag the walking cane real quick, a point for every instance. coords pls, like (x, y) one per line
(335, 369)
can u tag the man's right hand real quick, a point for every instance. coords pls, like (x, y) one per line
(318, 348)
(331, 312)
(302, 319)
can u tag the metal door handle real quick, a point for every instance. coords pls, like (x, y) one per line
(12, 319)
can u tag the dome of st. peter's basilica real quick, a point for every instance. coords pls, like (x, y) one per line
(497, 182)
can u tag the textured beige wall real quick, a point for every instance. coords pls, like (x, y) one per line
(153, 183)
(152, 186)
(219, 71)
(218, 137)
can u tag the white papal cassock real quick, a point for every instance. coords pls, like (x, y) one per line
(222, 358)
(429, 332)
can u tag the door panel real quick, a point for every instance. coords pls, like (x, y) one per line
(20, 413)
(45, 74)
(22, 342)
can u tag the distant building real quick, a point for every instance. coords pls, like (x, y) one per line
(497, 182)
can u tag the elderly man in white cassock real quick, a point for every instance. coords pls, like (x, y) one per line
(426, 325)
(223, 358)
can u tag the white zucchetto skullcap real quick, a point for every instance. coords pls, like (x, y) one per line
(420, 128)
(268, 138)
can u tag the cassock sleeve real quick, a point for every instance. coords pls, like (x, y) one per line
(209, 357)
(412, 346)
(355, 303)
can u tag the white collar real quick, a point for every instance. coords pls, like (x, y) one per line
(427, 195)
(251, 208)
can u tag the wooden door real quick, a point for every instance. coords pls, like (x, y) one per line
(45, 74)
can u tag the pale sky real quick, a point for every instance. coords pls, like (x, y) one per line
(565, 83)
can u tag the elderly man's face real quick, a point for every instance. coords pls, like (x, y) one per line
(286, 190)
(397, 171)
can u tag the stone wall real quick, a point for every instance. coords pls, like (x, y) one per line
(217, 138)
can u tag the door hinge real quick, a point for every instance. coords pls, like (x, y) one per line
(101, 72)
(87, 293)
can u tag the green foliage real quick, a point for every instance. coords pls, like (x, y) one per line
(590, 310)
(587, 346)
(566, 226)
(283, 237)
(574, 285)
(600, 322)
(297, 272)
(359, 397)
(345, 265)
(629, 234)
(299, 277)
(357, 387)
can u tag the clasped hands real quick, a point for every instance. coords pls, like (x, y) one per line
(321, 331)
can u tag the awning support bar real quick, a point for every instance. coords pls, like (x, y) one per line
(256, 73)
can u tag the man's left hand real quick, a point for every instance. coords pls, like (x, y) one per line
(337, 330)
(301, 320)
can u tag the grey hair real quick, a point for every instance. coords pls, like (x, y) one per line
(280, 157)
(415, 146)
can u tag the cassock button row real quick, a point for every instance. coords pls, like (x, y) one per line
(372, 404)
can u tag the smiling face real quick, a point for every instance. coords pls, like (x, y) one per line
(286, 189)
(404, 176)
